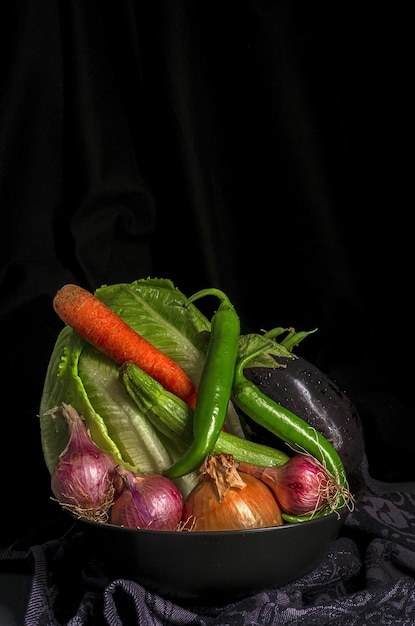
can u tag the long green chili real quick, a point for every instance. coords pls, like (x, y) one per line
(215, 385)
(292, 429)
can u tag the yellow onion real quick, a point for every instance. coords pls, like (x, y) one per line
(225, 499)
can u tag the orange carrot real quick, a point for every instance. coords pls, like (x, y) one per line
(106, 331)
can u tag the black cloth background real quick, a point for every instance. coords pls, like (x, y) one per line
(262, 147)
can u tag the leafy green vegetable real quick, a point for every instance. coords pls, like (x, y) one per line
(81, 376)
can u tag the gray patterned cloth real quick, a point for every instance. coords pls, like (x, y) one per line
(367, 577)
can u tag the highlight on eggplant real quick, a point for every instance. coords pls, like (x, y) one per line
(301, 387)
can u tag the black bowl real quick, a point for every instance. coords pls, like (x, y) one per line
(214, 567)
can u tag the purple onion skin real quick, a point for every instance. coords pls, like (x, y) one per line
(150, 502)
(82, 480)
(306, 391)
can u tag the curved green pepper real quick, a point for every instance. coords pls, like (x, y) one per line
(215, 386)
(292, 429)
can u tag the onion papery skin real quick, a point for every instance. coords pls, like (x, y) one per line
(89, 492)
(83, 479)
(151, 502)
(301, 485)
(253, 506)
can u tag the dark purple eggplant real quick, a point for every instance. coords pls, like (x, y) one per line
(306, 391)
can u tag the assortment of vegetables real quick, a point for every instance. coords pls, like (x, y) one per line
(145, 417)
(294, 431)
(305, 390)
(174, 421)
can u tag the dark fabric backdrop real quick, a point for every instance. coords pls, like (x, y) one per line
(264, 147)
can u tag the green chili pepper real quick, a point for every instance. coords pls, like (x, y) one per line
(292, 429)
(215, 386)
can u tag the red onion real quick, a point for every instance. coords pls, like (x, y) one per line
(225, 499)
(301, 485)
(150, 502)
(82, 480)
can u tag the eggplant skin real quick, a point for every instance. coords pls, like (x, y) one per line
(306, 391)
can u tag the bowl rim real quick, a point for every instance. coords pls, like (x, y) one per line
(286, 526)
